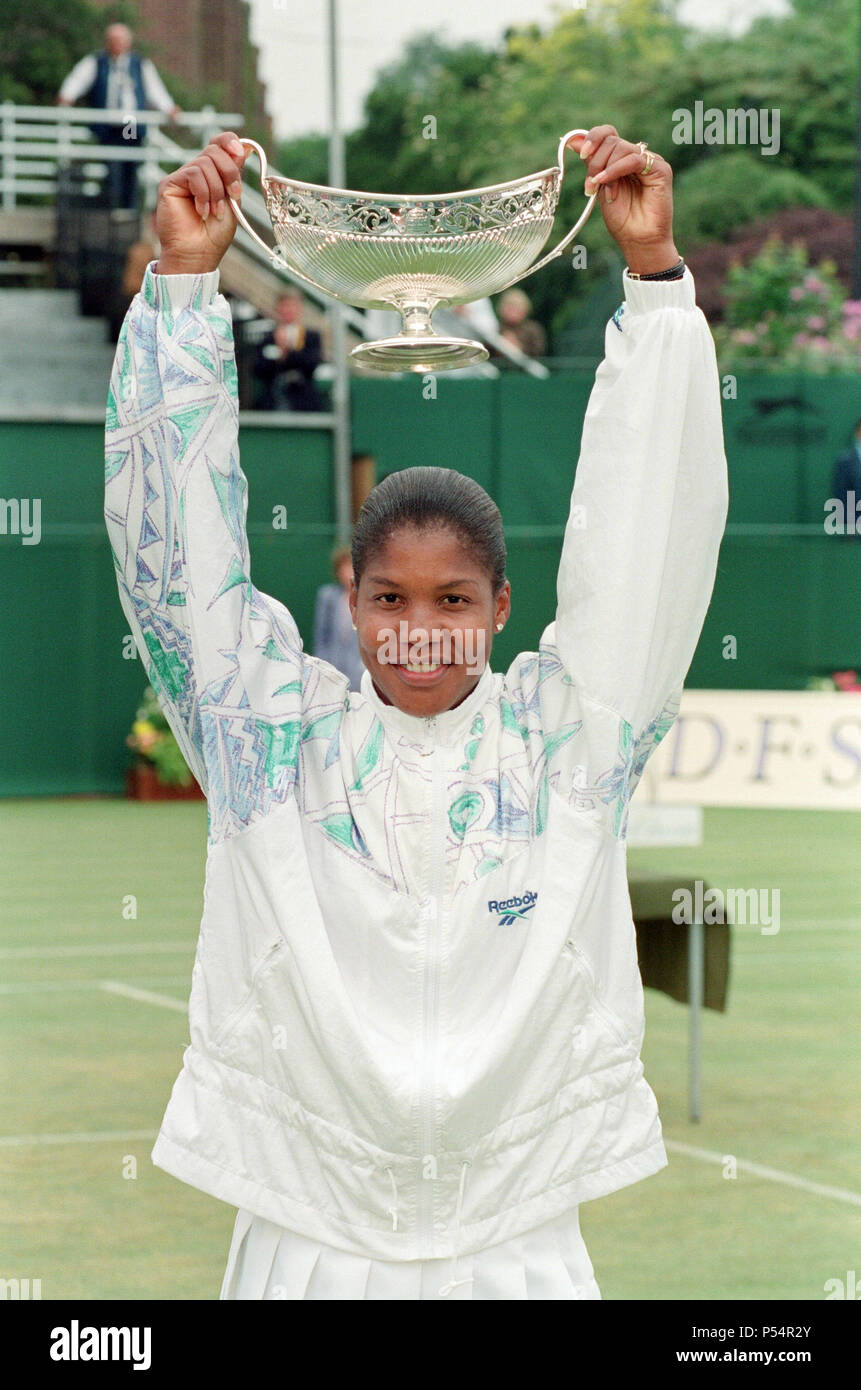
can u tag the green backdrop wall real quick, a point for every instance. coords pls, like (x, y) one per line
(789, 593)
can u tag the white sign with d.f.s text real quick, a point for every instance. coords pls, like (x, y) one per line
(760, 748)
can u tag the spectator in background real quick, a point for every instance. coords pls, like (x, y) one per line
(335, 637)
(847, 484)
(118, 79)
(517, 327)
(288, 357)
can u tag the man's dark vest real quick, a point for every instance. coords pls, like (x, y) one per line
(98, 95)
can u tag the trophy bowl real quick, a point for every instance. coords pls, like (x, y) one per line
(412, 253)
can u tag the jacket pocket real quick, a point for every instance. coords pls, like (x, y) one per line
(616, 1025)
(237, 1015)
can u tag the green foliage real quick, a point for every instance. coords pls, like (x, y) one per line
(306, 158)
(783, 313)
(718, 193)
(41, 40)
(630, 63)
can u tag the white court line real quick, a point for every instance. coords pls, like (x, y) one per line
(16, 1141)
(759, 1170)
(145, 996)
(23, 1141)
(137, 948)
(58, 986)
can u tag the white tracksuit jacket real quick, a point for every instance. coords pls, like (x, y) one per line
(416, 1013)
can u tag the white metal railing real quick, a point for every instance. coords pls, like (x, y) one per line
(36, 141)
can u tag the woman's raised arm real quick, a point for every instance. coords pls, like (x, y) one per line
(225, 660)
(649, 500)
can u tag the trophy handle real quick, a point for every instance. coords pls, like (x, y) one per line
(271, 251)
(566, 240)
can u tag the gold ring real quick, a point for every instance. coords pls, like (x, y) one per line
(649, 158)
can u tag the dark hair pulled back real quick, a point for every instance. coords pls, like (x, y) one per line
(431, 497)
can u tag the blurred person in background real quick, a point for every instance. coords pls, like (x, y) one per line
(288, 357)
(335, 637)
(516, 325)
(847, 484)
(118, 79)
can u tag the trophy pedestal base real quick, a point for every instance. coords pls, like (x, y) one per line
(425, 354)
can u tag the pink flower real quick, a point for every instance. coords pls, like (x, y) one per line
(821, 344)
(813, 282)
(796, 293)
(852, 307)
(852, 329)
(801, 340)
(761, 328)
(816, 321)
(744, 335)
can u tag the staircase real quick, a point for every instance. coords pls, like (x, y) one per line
(50, 357)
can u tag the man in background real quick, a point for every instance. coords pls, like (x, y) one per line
(288, 357)
(847, 483)
(118, 79)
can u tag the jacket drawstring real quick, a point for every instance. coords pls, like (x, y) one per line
(453, 1282)
(393, 1209)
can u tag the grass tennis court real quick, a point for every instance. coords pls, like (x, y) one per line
(92, 1027)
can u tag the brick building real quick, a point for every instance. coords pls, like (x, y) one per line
(206, 45)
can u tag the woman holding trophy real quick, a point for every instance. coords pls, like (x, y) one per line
(416, 1014)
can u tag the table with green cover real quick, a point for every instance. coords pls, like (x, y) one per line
(687, 961)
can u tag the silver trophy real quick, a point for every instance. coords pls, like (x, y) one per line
(387, 251)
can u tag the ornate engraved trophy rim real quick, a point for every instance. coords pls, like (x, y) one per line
(411, 199)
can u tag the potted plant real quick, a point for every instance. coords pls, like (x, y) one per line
(160, 772)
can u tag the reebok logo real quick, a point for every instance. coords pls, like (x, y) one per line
(513, 909)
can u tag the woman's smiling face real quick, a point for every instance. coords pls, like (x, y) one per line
(424, 599)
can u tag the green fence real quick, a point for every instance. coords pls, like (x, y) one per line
(788, 593)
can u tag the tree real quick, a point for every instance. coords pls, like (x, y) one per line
(714, 196)
(41, 40)
(499, 114)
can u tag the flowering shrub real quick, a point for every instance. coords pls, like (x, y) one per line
(153, 741)
(839, 680)
(783, 314)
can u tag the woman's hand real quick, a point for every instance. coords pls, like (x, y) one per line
(637, 208)
(194, 221)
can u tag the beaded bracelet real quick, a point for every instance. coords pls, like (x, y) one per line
(674, 273)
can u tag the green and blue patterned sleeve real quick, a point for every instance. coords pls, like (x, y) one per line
(225, 660)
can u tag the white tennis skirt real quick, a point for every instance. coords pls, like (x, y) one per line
(268, 1261)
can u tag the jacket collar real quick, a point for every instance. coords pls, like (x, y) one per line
(446, 728)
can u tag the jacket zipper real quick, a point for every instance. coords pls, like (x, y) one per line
(430, 1009)
(596, 1002)
(236, 1018)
